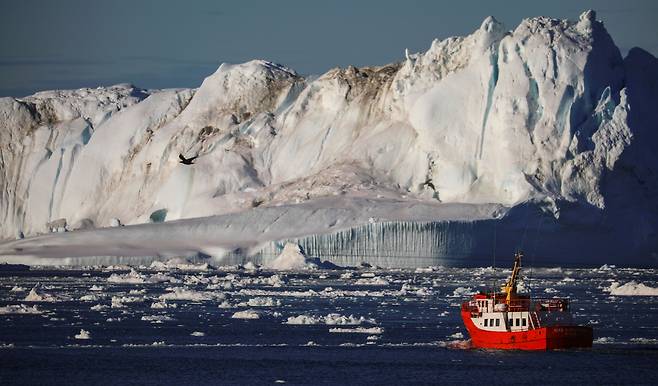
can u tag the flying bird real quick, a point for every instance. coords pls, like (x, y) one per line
(186, 161)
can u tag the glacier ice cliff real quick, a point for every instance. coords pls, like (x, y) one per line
(542, 137)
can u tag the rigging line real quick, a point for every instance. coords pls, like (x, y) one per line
(493, 290)
(534, 252)
(525, 230)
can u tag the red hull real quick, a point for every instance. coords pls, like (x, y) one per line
(544, 338)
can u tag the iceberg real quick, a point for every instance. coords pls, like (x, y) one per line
(542, 135)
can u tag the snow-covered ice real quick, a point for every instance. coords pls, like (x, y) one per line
(545, 127)
(246, 314)
(632, 288)
(83, 335)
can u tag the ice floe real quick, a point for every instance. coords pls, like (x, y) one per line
(291, 258)
(263, 302)
(19, 309)
(631, 288)
(358, 330)
(247, 314)
(462, 291)
(83, 335)
(163, 305)
(374, 281)
(157, 318)
(35, 296)
(179, 293)
(329, 319)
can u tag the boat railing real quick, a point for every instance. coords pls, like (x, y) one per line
(549, 305)
(539, 305)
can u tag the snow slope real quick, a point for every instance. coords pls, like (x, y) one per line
(547, 119)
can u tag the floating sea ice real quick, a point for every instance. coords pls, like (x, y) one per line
(375, 281)
(157, 318)
(457, 335)
(119, 301)
(333, 319)
(34, 296)
(358, 330)
(631, 288)
(426, 269)
(163, 304)
(19, 309)
(247, 314)
(225, 304)
(644, 340)
(303, 319)
(132, 277)
(330, 319)
(128, 299)
(251, 266)
(17, 289)
(96, 288)
(83, 334)
(179, 293)
(180, 264)
(99, 307)
(462, 291)
(275, 281)
(198, 334)
(292, 258)
(263, 302)
(604, 340)
(89, 298)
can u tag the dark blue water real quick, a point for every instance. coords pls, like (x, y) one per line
(399, 327)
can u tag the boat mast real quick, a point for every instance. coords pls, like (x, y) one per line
(509, 289)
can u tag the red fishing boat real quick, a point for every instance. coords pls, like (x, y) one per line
(510, 321)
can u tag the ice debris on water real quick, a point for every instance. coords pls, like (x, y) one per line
(329, 319)
(357, 330)
(631, 288)
(157, 318)
(35, 296)
(19, 309)
(247, 314)
(83, 335)
(179, 293)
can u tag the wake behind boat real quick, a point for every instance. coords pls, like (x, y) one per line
(507, 320)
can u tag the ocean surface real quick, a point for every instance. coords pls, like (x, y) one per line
(199, 325)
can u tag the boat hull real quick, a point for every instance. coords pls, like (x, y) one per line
(544, 338)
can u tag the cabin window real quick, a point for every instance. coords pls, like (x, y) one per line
(497, 322)
(523, 322)
(510, 322)
(486, 323)
(518, 322)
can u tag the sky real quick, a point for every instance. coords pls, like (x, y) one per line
(170, 43)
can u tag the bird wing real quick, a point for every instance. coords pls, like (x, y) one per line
(182, 158)
(193, 158)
